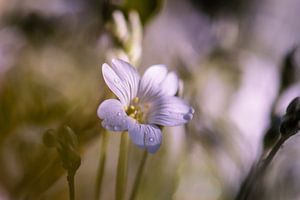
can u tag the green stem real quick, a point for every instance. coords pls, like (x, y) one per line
(138, 176)
(257, 172)
(271, 155)
(101, 166)
(70, 179)
(121, 180)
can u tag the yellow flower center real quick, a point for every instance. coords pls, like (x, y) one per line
(136, 111)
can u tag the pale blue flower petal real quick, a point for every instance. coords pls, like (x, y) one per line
(170, 85)
(115, 84)
(170, 111)
(113, 115)
(122, 79)
(128, 74)
(145, 136)
(151, 82)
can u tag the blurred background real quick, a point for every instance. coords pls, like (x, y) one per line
(239, 62)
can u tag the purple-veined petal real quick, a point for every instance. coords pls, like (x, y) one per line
(145, 136)
(170, 85)
(122, 79)
(128, 74)
(115, 84)
(170, 111)
(151, 82)
(113, 115)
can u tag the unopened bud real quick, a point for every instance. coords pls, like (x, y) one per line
(291, 120)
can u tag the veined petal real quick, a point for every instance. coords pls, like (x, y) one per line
(170, 111)
(122, 79)
(115, 84)
(145, 136)
(150, 83)
(113, 115)
(170, 85)
(128, 74)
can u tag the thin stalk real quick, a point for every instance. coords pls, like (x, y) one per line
(138, 176)
(121, 180)
(257, 172)
(70, 179)
(101, 166)
(271, 155)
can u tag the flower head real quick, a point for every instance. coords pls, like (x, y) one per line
(145, 103)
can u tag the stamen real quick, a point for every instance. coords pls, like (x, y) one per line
(135, 100)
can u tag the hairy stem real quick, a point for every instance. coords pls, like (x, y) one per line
(138, 176)
(121, 180)
(101, 166)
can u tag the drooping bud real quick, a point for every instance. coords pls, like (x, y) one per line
(66, 143)
(290, 123)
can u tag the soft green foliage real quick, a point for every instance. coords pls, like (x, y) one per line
(147, 9)
(66, 143)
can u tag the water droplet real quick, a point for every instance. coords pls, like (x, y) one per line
(119, 114)
(117, 80)
(107, 127)
(151, 139)
(116, 128)
(192, 110)
(188, 116)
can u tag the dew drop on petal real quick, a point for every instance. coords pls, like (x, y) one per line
(151, 139)
(188, 116)
(117, 80)
(107, 127)
(192, 110)
(116, 128)
(119, 114)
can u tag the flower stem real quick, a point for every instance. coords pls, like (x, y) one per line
(70, 179)
(138, 176)
(121, 180)
(257, 172)
(101, 166)
(271, 155)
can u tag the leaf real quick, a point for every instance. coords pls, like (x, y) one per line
(146, 9)
(49, 138)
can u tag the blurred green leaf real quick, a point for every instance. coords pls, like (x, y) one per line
(49, 138)
(66, 143)
(146, 9)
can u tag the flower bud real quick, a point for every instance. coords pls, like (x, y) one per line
(291, 120)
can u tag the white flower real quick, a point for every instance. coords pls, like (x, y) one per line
(146, 103)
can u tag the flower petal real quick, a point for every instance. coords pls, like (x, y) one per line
(170, 111)
(122, 79)
(170, 85)
(151, 80)
(113, 115)
(128, 74)
(145, 136)
(115, 84)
